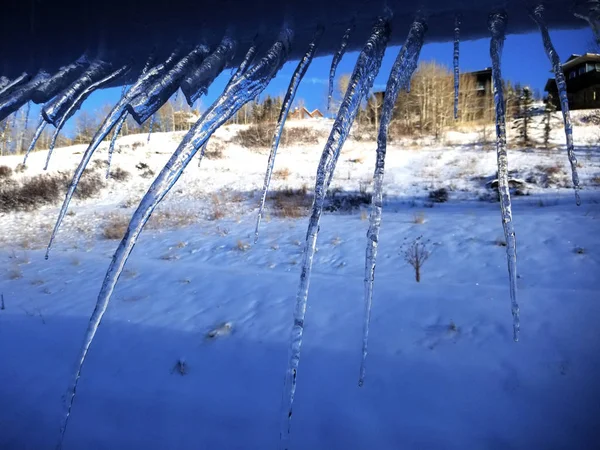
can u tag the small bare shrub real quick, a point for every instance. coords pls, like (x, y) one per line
(282, 174)
(142, 166)
(5, 172)
(119, 174)
(15, 273)
(416, 254)
(299, 135)
(90, 185)
(255, 136)
(291, 203)
(20, 168)
(180, 367)
(214, 150)
(242, 246)
(419, 218)
(115, 227)
(345, 201)
(439, 195)
(218, 208)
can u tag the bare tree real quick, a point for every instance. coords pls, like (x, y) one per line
(416, 254)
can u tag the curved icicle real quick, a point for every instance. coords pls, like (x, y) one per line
(119, 125)
(77, 102)
(11, 102)
(152, 119)
(361, 81)
(56, 109)
(589, 10)
(13, 85)
(285, 109)
(4, 82)
(141, 85)
(457, 23)
(248, 58)
(402, 71)
(336, 60)
(36, 136)
(59, 81)
(497, 26)
(113, 140)
(146, 103)
(195, 84)
(538, 16)
(233, 98)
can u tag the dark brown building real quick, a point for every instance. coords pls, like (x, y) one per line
(582, 73)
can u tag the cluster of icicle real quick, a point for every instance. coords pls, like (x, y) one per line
(194, 71)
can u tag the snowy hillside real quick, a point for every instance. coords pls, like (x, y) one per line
(193, 349)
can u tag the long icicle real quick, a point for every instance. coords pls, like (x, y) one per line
(241, 70)
(401, 73)
(285, 109)
(367, 67)
(497, 27)
(152, 119)
(336, 60)
(38, 132)
(144, 82)
(538, 16)
(233, 98)
(119, 125)
(76, 104)
(457, 23)
(25, 126)
(121, 122)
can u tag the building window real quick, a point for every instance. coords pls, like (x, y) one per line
(581, 70)
(572, 74)
(597, 67)
(589, 67)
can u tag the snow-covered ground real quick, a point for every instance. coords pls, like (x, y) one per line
(442, 372)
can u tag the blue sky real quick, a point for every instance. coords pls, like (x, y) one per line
(523, 60)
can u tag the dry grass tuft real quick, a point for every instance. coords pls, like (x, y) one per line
(115, 227)
(242, 246)
(119, 174)
(282, 174)
(290, 203)
(419, 218)
(5, 172)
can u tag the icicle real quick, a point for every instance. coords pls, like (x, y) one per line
(113, 140)
(367, 67)
(285, 109)
(56, 109)
(148, 102)
(248, 58)
(336, 60)
(457, 24)
(59, 81)
(497, 26)
(401, 73)
(118, 126)
(538, 16)
(141, 85)
(4, 81)
(13, 101)
(202, 151)
(36, 136)
(13, 85)
(69, 109)
(232, 99)
(25, 126)
(195, 84)
(152, 119)
(589, 10)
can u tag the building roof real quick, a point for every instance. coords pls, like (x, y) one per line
(575, 60)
